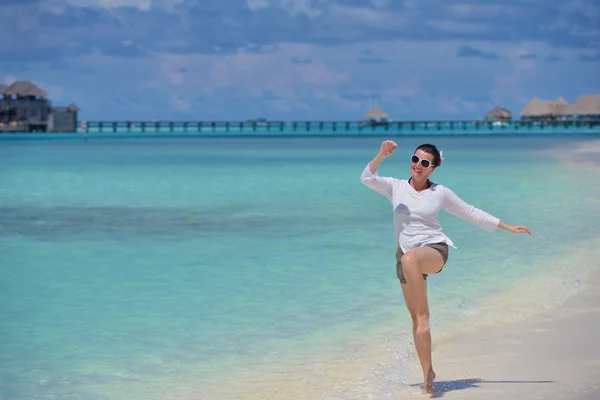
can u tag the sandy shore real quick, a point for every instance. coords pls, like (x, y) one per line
(584, 154)
(554, 355)
(589, 146)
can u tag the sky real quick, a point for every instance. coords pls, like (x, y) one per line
(300, 59)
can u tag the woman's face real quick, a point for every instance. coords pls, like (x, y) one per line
(417, 170)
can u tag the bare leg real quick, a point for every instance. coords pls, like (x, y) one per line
(414, 264)
(422, 341)
(423, 260)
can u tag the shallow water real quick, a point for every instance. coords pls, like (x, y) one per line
(156, 268)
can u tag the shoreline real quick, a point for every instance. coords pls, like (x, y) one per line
(551, 355)
(383, 364)
(544, 339)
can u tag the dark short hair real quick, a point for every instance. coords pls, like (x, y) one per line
(431, 149)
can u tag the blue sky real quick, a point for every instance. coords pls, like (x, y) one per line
(300, 59)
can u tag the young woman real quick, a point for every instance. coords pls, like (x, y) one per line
(422, 246)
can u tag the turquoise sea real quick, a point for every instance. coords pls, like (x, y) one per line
(261, 268)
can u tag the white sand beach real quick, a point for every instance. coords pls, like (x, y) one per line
(554, 355)
(590, 146)
(585, 154)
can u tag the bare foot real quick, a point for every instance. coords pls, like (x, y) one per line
(428, 384)
(422, 324)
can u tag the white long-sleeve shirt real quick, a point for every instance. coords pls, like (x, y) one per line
(416, 213)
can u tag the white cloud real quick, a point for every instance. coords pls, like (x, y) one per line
(293, 7)
(172, 68)
(333, 85)
(453, 104)
(484, 10)
(454, 27)
(255, 74)
(366, 16)
(178, 103)
(380, 3)
(142, 5)
(407, 88)
(257, 4)
(9, 79)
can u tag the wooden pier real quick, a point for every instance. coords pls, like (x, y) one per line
(335, 127)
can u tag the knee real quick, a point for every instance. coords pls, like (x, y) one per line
(413, 316)
(408, 260)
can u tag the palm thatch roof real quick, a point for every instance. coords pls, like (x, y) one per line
(538, 108)
(498, 113)
(3, 88)
(376, 113)
(586, 105)
(24, 88)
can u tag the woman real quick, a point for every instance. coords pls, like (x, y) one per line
(422, 246)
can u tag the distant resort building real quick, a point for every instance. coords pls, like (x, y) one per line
(376, 117)
(498, 114)
(25, 108)
(586, 107)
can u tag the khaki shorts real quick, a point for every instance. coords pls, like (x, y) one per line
(442, 248)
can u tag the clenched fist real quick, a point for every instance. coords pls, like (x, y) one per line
(387, 148)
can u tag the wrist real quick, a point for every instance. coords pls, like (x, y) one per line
(504, 226)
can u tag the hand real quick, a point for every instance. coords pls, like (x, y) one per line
(387, 148)
(519, 229)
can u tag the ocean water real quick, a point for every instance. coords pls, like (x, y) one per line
(262, 268)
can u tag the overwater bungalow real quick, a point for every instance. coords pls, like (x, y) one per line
(376, 117)
(25, 108)
(586, 107)
(498, 114)
(542, 110)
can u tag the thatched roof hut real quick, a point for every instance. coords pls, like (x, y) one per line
(498, 114)
(543, 108)
(377, 114)
(24, 89)
(585, 105)
(3, 89)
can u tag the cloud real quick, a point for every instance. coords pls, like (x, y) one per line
(252, 74)
(300, 59)
(553, 58)
(372, 60)
(528, 57)
(142, 5)
(589, 58)
(469, 51)
(58, 29)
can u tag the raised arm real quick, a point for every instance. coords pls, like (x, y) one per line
(371, 178)
(457, 206)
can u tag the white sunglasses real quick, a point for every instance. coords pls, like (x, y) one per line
(424, 163)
